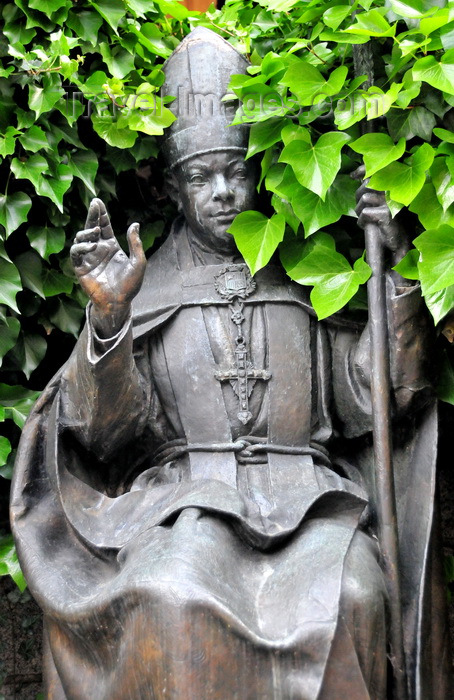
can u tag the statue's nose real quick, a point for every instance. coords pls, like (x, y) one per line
(221, 189)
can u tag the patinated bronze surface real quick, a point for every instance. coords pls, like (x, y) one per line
(194, 501)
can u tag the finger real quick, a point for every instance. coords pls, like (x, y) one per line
(364, 187)
(376, 215)
(104, 221)
(79, 251)
(93, 214)
(370, 199)
(136, 254)
(359, 173)
(91, 234)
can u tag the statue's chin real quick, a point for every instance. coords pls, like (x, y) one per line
(216, 239)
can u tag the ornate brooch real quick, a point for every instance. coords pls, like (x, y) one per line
(234, 282)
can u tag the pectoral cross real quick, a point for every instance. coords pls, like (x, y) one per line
(234, 283)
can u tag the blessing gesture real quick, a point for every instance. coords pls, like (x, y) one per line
(109, 277)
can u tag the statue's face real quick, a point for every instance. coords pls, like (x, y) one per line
(213, 188)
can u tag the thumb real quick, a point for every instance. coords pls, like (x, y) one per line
(136, 254)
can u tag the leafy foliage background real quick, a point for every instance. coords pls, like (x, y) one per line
(80, 115)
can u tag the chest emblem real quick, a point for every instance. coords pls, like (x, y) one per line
(235, 283)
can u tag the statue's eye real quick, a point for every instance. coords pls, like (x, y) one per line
(197, 179)
(239, 173)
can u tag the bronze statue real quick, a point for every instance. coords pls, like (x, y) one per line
(194, 496)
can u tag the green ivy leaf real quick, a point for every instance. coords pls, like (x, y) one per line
(429, 210)
(9, 331)
(85, 24)
(71, 109)
(118, 60)
(55, 187)
(152, 39)
(171, 7)
(47, 6)
(43, 99)
(8, 141)
(34, 139)
(110, 10)
(350, 111)
(445, 383)
(414, 9)
(30, 169)
(404, 182)
(408, 266)
(5, 72)
(64, 132)
(13, 28)
(56, 283)
(29, 352)
(17, 402)
(264, 134)
(14, 210)
(146, 147)
(9, 564)
(442, 172)
(371, 23)
(410, 123)
(438, 74)
(292, 132)
(68, 66)
(318, 263)
(257, 237)
(440, 303)
(307, 83)
(11, 284)
(5, 449)
(316, 166)
(84, 165)
(30, 268)
(67, 317)
(281, 180)
(107, 128)
(45, 240)
(342, 37)
(412, 90)
(436, 260)
(150, 121)
(282, 206)
(444, 135)
(139, 7)
(334, 16)
(280, 5)
(378, 150)
(314, 213)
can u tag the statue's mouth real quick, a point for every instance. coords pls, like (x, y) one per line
(226, 216)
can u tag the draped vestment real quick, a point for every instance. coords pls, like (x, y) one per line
(179, 553)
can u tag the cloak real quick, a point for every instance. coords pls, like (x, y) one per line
(127, 557)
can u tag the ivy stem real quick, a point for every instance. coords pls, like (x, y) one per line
(226, 31)
(315, 54)
(7, 182)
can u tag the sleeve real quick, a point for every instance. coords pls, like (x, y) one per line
(105, 392)
(409, 335)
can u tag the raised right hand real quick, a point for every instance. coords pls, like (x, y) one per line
(105, 272)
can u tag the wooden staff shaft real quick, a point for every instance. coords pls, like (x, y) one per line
(383, 450)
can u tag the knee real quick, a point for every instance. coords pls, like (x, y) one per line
(363, 584)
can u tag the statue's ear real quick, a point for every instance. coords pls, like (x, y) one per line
(172, 188)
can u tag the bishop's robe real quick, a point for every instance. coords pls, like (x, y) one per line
(178, 553)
